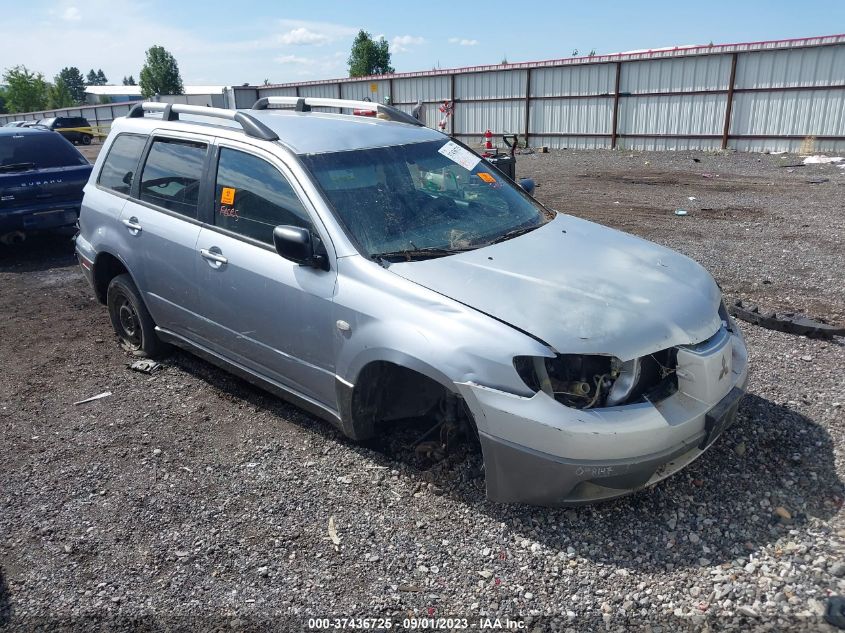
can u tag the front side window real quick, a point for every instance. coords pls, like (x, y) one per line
(122, 161)
(423, 199)
(172, 175)
(252, 197)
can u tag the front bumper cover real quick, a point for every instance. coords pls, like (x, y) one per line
(519, 474)
(538, 451)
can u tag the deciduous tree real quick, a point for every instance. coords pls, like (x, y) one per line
(59, 95)
(160, 74)
(25, 90)
(369, 57)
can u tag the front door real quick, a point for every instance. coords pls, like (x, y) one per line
(263, 311)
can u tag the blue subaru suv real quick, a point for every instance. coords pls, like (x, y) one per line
(41, 179)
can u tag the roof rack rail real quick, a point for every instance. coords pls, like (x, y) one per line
(304, 104)
(171, 111)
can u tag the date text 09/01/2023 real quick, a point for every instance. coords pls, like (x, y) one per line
(415, 624)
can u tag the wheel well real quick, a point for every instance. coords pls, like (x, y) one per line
(106, 268)
(386, 391)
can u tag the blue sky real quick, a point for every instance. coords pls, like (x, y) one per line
(225, 42)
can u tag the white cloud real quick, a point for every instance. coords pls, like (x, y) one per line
(71, 14)
(304, 32)
(293, 59)
(249, 52)
(403, 43)
(461, 41)
(302, 36)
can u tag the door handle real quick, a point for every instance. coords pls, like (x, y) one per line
(132, 225)
(213, 256)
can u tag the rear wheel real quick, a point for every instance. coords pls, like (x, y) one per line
(130, 319)
(86, 139)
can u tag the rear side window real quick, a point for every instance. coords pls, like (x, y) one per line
(253, 197)
(122, 161)
(38, 151)
(172, 174)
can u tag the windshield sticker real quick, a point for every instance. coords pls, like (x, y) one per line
(228, 212)
(227, 196)
(458, 154)
(486, 177)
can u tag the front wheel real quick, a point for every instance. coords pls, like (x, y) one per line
(131, 321)
(86, 139)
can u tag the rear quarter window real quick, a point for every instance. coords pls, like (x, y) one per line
(121, 163)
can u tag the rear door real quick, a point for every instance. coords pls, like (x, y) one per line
(263, 311)
(161, 222)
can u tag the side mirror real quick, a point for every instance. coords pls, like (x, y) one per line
(294, 244)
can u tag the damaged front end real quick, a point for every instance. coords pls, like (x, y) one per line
(597, 427)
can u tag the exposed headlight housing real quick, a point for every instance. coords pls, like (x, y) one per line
(588, 381)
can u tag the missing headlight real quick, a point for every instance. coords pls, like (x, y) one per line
(584, 381)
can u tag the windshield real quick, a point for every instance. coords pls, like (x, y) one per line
(37, 151)
(434, 196)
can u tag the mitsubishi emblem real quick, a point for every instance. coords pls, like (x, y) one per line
(724, 372)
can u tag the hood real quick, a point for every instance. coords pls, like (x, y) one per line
(581, 288)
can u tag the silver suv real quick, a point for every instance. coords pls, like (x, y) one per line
(370, 269)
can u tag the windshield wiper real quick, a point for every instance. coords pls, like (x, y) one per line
(17, 167)
(410, 254)
(514, 233)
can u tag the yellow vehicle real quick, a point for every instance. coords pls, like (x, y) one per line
(76, 129)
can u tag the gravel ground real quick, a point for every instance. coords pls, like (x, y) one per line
(190, 499)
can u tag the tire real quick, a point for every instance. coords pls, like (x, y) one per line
(131, 320)
(86, 139)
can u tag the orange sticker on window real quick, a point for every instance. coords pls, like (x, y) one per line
(227, 196)
(486, 177)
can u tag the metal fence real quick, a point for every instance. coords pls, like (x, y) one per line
(761, 96)
(756, 96)
(101, 116)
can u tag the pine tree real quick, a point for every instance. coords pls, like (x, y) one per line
(75, 83)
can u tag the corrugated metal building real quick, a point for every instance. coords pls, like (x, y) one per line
(753, 97)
